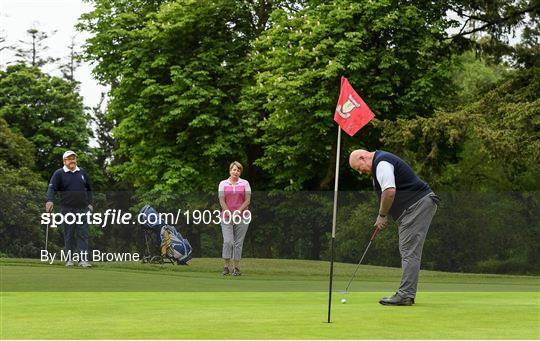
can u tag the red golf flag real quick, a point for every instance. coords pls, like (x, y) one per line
(352, 113)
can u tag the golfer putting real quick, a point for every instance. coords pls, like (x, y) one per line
(410, 202)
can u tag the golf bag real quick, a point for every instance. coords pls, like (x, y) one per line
(162, 241)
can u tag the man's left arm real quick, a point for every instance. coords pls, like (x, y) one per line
(387, 199)
(89, 195)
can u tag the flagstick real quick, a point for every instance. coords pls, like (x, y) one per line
(334, 219)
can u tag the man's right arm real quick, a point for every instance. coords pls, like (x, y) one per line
(51, 190)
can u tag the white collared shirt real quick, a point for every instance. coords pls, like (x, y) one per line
(226, 186)
(385, 175)
(72, 171)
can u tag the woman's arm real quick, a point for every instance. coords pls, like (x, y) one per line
(221, 195)
(245, 204)
(223, 203)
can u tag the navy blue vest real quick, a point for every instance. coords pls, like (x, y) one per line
(409, 187)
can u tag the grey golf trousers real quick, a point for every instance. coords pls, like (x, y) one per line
(413, 227)
(233, 240)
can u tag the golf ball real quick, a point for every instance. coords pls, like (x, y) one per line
(343, 300)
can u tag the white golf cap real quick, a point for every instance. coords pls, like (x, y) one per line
(68, 153)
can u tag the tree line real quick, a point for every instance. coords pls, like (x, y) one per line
(198, 84)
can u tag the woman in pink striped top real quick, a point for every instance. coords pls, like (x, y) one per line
(234, 197)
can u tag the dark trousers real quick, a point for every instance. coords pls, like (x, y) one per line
(75, 234)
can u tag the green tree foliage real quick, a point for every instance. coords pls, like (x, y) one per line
(175, 92)
(527, 52)
(46, 110)
(501, 129)
(394, 56)
(472, 76)
(20, 186)
(223, 92)
(489, 152)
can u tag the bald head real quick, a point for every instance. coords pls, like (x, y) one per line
(361, 160)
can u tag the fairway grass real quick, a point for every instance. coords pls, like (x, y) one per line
(258, 304)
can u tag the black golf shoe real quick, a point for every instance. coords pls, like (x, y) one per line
(396, 300)
(226, 271)
(236, 272)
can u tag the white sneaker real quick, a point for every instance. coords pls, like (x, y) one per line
(69, 263)
(85, 264)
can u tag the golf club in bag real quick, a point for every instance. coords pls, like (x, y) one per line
(168, 243)
(373, 236)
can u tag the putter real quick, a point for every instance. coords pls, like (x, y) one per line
(46, 237)
(373, 236)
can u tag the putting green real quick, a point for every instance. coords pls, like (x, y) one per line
(197, 303)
